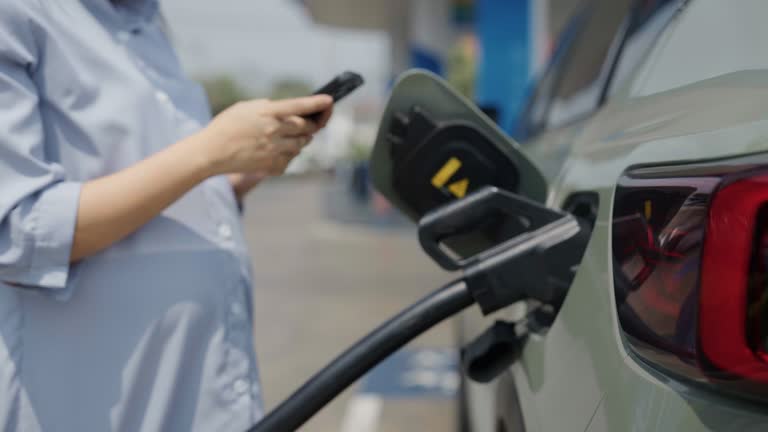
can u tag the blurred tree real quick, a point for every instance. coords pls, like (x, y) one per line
(359, 151)
(461, 66)
(290, 88)
(223, 92)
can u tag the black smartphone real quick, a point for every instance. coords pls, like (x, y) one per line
(339, 88)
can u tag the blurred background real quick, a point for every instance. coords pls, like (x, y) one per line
(332, 259)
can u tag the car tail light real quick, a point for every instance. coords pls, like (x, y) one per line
(690, 257)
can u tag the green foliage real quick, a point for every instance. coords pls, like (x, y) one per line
(290, 88)
(223, 92)
(461, 70)
(359, 151)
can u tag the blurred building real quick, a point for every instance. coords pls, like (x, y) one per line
(512, 39)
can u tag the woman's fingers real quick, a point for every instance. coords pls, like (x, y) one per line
(295, 125)
(300, 106)
(290, 145)
(291, 114)
(281, 162)
(325, 117)
(286, 149)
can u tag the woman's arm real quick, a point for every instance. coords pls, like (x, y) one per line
(114, 206)
(252, 136)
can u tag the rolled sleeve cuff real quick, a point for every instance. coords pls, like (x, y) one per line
(52, 230)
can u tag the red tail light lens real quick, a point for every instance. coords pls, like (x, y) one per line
(757, 294)
(690, 255)
(732, 233)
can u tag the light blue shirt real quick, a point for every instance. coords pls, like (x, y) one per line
(153, 334)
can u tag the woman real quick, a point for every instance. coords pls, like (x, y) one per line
(124, 277)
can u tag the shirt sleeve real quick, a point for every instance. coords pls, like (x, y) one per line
(38, 205)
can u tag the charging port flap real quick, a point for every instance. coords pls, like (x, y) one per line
(434, 146)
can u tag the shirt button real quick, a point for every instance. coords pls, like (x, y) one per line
(123, 36)
(225, 231)
(237, 309)
(240, 386)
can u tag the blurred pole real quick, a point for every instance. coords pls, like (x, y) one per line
(432, 34)
(541, 40)
(513, 41)
(400, 37)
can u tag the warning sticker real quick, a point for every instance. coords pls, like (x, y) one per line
(459, 189)
(443, 176)
(446, 172)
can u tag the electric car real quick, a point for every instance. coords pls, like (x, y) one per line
(650, 127)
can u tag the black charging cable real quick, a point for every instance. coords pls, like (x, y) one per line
(537, 264)
(362, 356)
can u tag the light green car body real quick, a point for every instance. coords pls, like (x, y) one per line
(701, 94)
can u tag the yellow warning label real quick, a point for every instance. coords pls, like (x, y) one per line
(459, 189)
(446, 172)
(648, 209)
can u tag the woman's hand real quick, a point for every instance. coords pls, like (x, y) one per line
(242, 183)
(261, 136)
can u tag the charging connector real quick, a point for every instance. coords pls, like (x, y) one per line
(537, 263)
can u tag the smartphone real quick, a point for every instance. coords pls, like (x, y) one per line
(339, 88)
